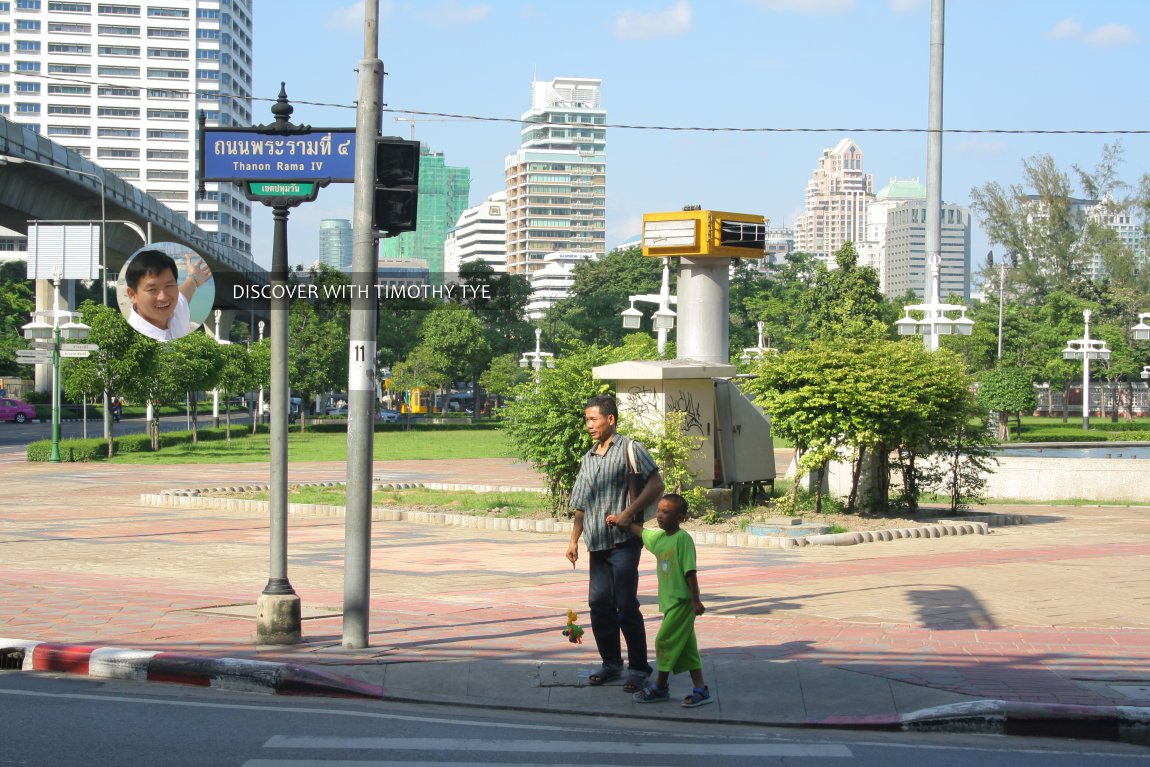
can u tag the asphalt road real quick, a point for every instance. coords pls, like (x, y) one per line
(68, 721)
(15, 436)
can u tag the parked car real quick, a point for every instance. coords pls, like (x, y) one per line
(341, 410)
(388, 416)
(15, 410)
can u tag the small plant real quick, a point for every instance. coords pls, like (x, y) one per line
(836, 528)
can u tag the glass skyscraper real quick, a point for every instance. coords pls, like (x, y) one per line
(335, 243)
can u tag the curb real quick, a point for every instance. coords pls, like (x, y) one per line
(1127, 724)
(235, 674)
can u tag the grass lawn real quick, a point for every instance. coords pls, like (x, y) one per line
(524, 504)
(1052, 429)
(315, 446)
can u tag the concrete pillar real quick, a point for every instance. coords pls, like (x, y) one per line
(46, 301)
(704, 300)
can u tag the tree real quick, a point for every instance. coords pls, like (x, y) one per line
(236, 374)
(1006, 390)
(453, 338)
(317, 352)
(124, 360)
(599, 295)
(188, 366)
(845, 301)
(502, 376)
(17, 302)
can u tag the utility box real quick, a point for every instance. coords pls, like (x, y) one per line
(746, 449)
(649, 389)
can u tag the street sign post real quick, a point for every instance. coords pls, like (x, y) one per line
(74, 353)
(80, 347)
(33, 356)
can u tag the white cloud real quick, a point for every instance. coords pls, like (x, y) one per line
(810, 7)
(636, 25)
(1104, 36)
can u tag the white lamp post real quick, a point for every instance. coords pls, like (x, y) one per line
(934, 323)
(64, 326)
(663, 319)
(1141, 331)
(1086, 349)
(537, 359)
(756, 352)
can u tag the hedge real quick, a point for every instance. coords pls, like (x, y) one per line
(96, 448)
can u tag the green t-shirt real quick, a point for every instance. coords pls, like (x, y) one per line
(674, 558)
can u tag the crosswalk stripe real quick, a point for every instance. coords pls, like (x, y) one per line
(559, 747)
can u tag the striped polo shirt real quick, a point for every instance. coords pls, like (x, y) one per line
(601, 489)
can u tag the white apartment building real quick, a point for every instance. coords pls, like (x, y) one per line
(904, 251)
(556, 181)
(836, 199)
(552, 282)
(122, 83)
(480, 235)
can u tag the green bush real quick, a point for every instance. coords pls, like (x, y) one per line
(96, 448)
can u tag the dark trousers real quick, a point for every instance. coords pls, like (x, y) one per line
(614, 602)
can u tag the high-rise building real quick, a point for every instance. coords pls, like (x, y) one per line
(836, 199)
(122, 84)
(552, 282)
(872, 249)
(557, 180)
(335, 243)
(443, 196)
(904, 252)
(479, 235)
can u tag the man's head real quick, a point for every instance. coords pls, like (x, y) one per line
(671, 512)
(152, 286)
(600, 416)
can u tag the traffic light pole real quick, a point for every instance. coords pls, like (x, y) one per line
(362, 344)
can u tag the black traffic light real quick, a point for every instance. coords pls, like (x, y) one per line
(396, 186)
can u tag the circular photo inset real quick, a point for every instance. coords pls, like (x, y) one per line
(165, 290)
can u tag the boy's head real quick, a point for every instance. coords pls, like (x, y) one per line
(152, 286)
(671, 512)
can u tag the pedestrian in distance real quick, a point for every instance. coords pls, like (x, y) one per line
(602, 489)
(676, 648)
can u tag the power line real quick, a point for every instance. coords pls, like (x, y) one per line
(670, 128)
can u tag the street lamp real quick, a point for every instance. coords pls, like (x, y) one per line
(1086, 349)
(9, 159)
(663, 320)
(537, 359)
(1141, 331)
(64, 326)
(756, 352)
(934, 323)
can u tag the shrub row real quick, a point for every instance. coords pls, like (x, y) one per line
(96, 448)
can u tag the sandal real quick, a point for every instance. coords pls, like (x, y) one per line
(603, 675)
(699, 696)
(634, 682)
(651, 694)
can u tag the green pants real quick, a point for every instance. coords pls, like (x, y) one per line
(676, 650)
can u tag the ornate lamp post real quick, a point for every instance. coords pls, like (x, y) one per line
(1086, 349)
(537, 359)
(663, 319)
(934, 322)
(756, 352)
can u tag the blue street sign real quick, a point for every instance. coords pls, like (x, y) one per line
(321, 154)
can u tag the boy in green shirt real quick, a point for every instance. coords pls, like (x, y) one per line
(676, 649)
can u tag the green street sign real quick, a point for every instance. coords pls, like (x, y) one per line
(281, 189)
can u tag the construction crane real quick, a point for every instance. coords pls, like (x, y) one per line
(413, 119)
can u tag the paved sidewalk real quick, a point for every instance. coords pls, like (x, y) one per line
(1047, 620)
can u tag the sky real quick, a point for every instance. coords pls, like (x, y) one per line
(826, 69)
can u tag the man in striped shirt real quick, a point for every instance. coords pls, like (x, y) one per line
(601, 489)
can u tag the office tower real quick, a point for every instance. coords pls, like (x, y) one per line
(122, 84)
(480, 235)
(335, 243)
(443, 196)
(556, 181)
(836, 199)
(903, 252)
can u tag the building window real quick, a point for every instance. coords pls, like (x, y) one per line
(167, 53)
(167, 114)
(167, 74)
(168, 134)
(119, 10)
(69, 69)
(28, 66)
(28, 46)
(168, 154)
(27, 5)
(69, 109)
(207, 74)
(111, 151)
(158, 93)
(79, 48)
(27, 87)
(112, 90)
(207, 13)
(118, 112)
(174, 13)
(167, 175)
(71, 7)
(69, 28)
(27, 25)
(69, 130)
(119, 71)
(107, 29)
(118, 50)
(26, 108)
(118, 133)
(166, 32)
